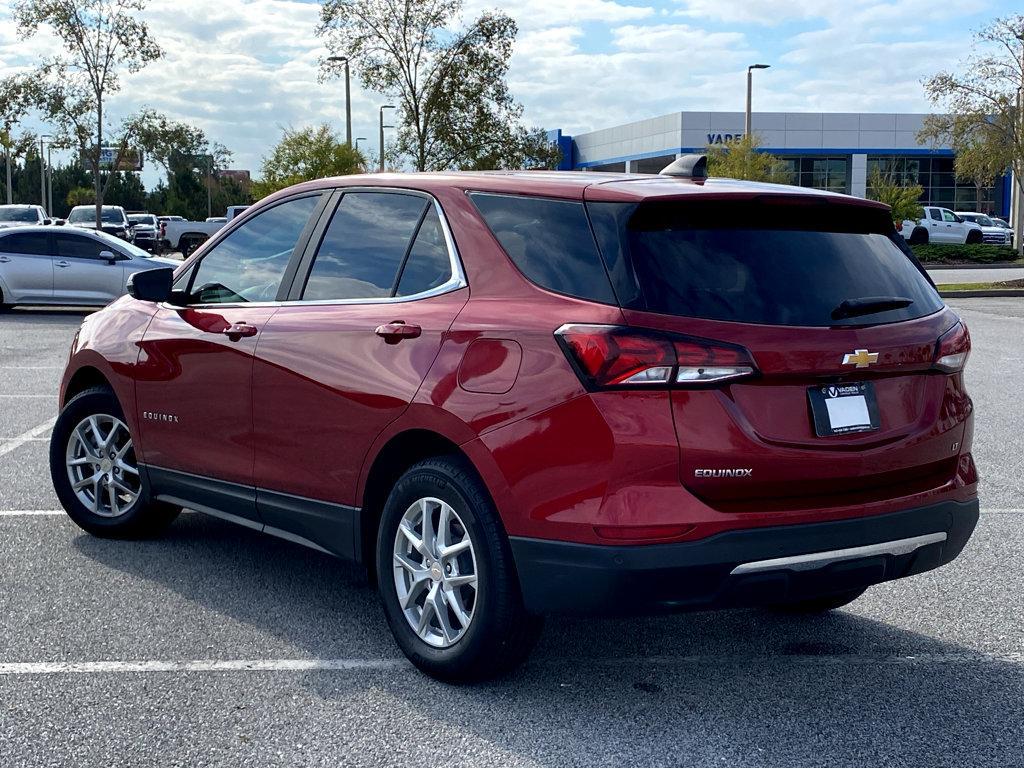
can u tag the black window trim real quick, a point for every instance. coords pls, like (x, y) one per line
(457, 279)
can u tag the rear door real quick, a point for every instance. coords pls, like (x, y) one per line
(80, 274)
(372, 302)
(194, 380)
(775, 280)
(26, 270)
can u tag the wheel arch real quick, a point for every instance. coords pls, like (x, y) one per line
(84, 377)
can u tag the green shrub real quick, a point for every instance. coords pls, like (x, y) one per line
(934, 253)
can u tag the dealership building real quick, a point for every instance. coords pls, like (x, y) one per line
(825, 150)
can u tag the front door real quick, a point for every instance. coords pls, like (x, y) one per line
(335, 367)
(80, 274)
(194, 380)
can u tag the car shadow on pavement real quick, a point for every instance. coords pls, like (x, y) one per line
(733, 688)
(41, 316)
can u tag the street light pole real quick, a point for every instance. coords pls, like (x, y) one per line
(382, 127)
(359, 139)
(42, 171)
(348, 99)
(49, 179)
(750, 82)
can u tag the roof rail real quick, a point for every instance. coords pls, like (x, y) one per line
(687, 167)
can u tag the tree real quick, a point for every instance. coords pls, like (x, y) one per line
(100, 39)
(15, 100)
(455, 109)
(982, 108)
(904, 200)
(741, 159)
(305, 154)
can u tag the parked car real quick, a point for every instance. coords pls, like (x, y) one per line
(998, 222)
(15, 215)
(940, 225)
(147, 231)
(220, 219)
(991, 232)
(46, 265)
(187, 236)
(114, 220)
(512, 394)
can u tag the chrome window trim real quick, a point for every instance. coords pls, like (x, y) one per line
(454, 283)
(817, 560)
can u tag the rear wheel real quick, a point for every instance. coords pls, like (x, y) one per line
(918, 237)
(446, 576)
(822, 604)
(974, 236)
(96, 474)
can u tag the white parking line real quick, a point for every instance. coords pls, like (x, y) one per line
(193, 666)
(8, 446)
(12, 513)
(27, 396)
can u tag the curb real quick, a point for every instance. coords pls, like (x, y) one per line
(981, 293)
(975, 266)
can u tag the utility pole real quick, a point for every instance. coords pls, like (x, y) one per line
(209, 196)
(49, 180)
(348, 99)
(382, 127)
(7, 154)
(42, 173)
(750, 88)
(1017, 187)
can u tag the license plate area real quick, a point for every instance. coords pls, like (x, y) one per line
(841, 409)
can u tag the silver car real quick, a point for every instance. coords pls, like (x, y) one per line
(48, 265)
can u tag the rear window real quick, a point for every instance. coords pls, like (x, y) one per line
(550, 242)
(764, 263)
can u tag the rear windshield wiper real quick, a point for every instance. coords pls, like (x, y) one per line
(868, 305)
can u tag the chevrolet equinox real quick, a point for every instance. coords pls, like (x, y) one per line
(510, 394)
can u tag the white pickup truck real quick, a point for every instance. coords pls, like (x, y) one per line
(940, 225)
(188, 236)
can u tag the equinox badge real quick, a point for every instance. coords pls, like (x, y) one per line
(730, 472)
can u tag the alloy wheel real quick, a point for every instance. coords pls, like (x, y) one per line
(435, 572)
(102, 467)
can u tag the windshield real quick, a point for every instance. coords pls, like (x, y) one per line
(778, 264)
(984, 221)
(124, 247)
(88, 214)
(18, 215)
(142, 219)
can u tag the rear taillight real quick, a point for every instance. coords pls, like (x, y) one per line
(619, 356)
(952, 349)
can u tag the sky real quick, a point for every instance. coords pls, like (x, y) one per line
(242, 70)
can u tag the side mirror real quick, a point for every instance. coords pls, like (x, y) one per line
(958, 218)
(110, 256)
(151, 285)
(47, 221)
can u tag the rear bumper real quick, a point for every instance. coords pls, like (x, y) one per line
(749, 567)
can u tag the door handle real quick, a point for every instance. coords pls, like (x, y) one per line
(4, 259)
(61, 263)
(398, 330)
(236, 331)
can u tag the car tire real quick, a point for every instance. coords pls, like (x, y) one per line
(3, 307)
(822, 604)
(499, 633)
(919, 237)
(90, 440)
(974, 236)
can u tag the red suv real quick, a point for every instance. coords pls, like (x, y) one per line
(511, 394)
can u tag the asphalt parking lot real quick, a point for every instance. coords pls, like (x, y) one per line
(214, 645)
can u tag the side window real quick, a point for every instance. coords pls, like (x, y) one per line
(79, 247)
(248, 265)
(948, 216)
(25, 243)
(364, 246)
(935, 214)
(550, 242)
(429, 264)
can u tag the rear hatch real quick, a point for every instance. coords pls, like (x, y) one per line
(844, 404)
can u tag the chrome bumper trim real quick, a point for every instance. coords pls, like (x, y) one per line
(809, 561)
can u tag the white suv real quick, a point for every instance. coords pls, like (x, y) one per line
(990, 231)
(940, 225)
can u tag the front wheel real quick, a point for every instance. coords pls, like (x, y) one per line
(446, 576)
(96, 474)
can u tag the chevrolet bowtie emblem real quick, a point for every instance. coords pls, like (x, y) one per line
(860, 358)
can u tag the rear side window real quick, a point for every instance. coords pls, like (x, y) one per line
(428, 265)
(79, 247)
(550, 242)
(770, 264)
(25, 243)
(364, 246)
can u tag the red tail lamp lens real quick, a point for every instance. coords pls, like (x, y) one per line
(952, 349)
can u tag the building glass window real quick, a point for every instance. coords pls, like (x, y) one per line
(937, 177)
(820, 173)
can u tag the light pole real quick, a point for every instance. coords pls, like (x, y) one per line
(348, 100)
(750, 80)
(42, 171)
(49, 179)
(359, 139)
(382, 127)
